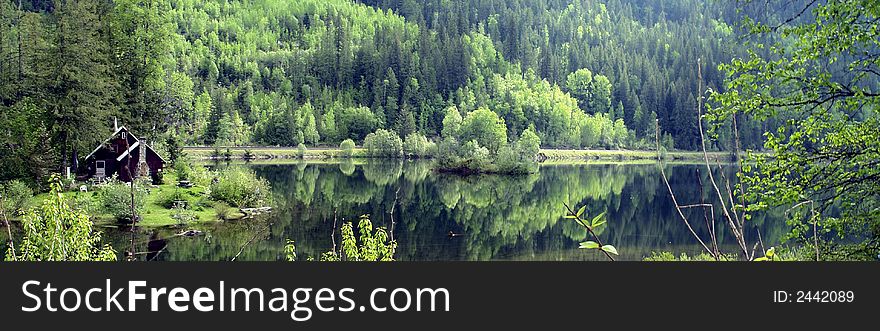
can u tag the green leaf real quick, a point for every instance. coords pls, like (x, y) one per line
(770, 252)
(581, 211)
(570, 216)
(610, 249)
(763, 258)
(595, 221)
(590, 245)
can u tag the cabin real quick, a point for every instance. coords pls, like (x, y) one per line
(111, 156)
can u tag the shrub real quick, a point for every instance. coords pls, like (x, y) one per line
(182, 215)
(43, 242)
(115, 198)
(183, 169)
(519, 158)
(301, 150)
(447, 153)
(383, 143)
(241, 188)
(14, 197)
(468, 158)
(509, 161)
(415, 145)
(365, 245)
(225, 211)
(86, 202)
(347, 147)
(170, 198)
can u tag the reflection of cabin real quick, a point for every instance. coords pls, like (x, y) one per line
(122, 147)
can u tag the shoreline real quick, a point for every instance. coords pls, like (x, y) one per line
(276, 153)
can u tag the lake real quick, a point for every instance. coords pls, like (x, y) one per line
(490, 217)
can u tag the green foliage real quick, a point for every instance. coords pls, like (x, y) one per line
(232, 131)
(301, 151)
(289, 250)
(115, 198)
(383, 143)
(810, 74)
(484, 127)
(15, 197)
(451, 122)
(182, 214)
(25, 151)
(519, 157)
(480, 127)
(367, 245)
(225, 211)
(467, 158)
(56, 232)
(183, 169)
(768, 256)
(347, 147)
(357, 123)
(593, 227)
(684, 257)
(174, 145)
(317, 71)
(170, 198)
(417, 145)
(241, 188)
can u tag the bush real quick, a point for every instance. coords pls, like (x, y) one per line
(43, 242)
(383, 143)
(515, 158)
(468, 158)
(519, 158)
(225, 211)
(170, 198)
(509, 161)
(417, 146)
(115, 198)
(183, 169)
(14, 197)
(301, 150)
(241, 188)
(347, 147)
(182, 215)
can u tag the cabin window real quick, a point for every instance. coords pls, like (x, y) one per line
(99, 164)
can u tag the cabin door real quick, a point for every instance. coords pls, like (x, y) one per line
(100, 169)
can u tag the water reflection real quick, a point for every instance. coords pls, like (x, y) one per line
(493, 217)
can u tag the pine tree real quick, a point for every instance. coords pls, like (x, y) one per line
(80, 103)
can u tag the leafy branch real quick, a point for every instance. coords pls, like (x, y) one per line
(597, 221)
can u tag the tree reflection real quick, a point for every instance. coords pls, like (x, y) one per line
(494, 217)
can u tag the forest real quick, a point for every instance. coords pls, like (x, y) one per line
(581, 74)
(788, 89)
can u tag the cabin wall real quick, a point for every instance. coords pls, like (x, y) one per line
(116, 147)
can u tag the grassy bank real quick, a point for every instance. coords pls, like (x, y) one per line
(270, 153)
(624, 155)
(153, 214)
(267, 153)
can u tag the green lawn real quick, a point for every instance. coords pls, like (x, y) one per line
(154, 214)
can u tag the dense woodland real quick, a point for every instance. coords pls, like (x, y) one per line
(582, 74)
(485, 83)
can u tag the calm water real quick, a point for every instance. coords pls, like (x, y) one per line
(494, 217)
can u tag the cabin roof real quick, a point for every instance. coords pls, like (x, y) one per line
(118, 131)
